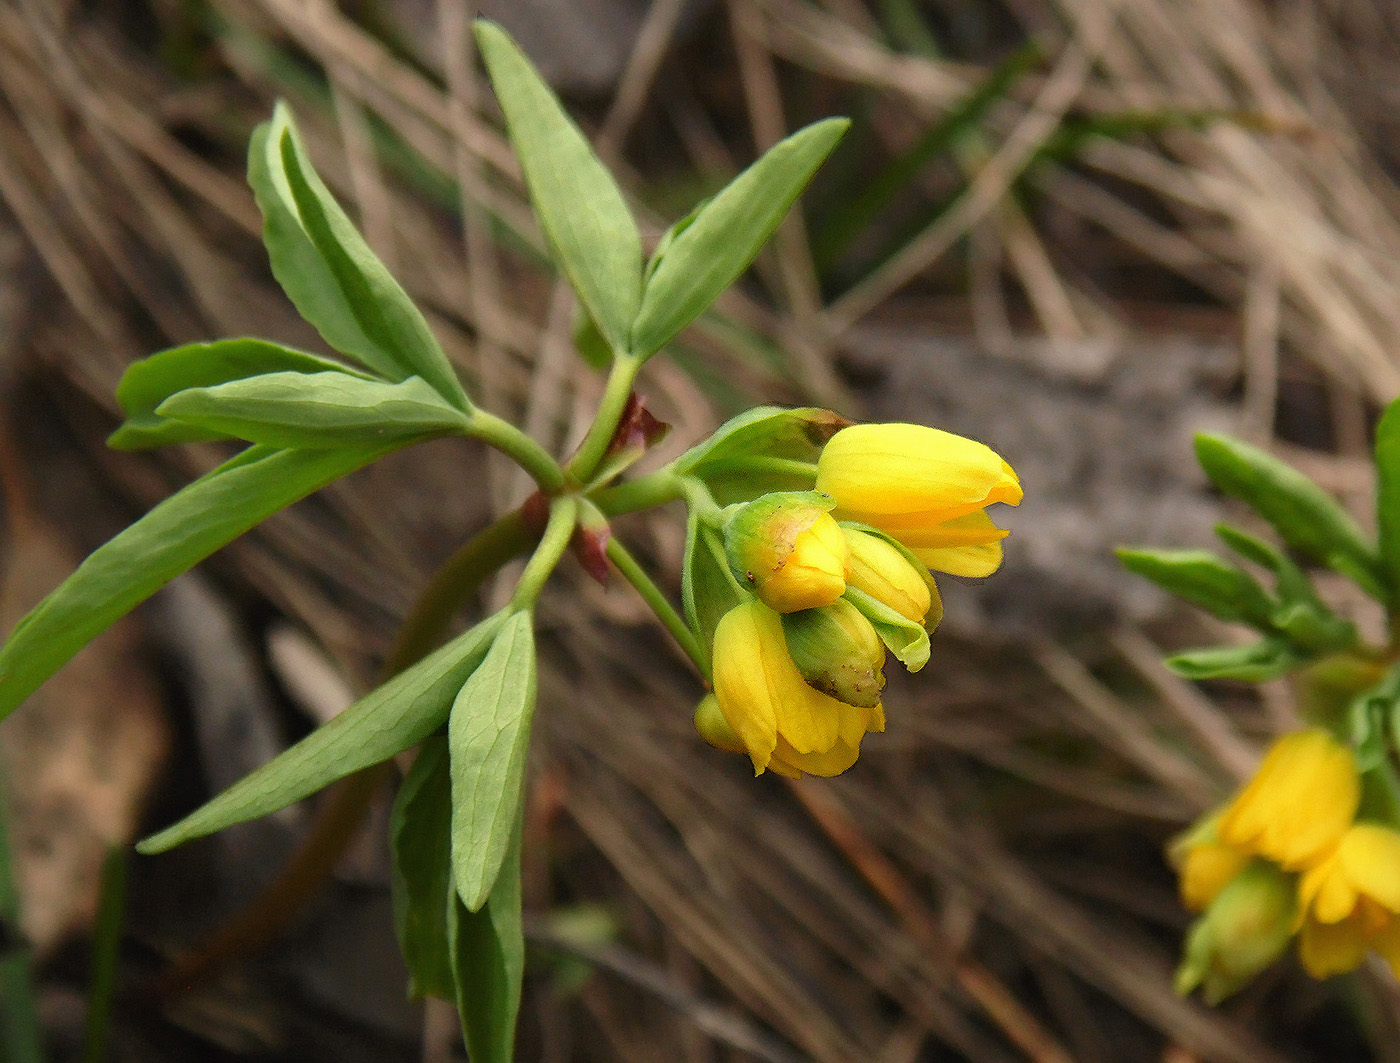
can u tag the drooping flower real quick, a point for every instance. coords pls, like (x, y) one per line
(883, 572)
(927, 488)
(781, 721)
(788, 548)
(1350, 902)
(1299, 804)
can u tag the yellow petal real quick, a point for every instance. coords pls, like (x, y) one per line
(1370, 856)
(971, 529)
(742, 686)
(1330, 948)
(878, 469)
(825, 764)
(962, 560)
(1206, 870)
(1299, 804)
(880, 570)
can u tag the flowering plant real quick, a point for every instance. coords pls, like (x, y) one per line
(1309, 849)
(809, 540)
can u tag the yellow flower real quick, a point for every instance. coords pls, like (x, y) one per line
(1299, 804)
(1205, 864)
(1351, 902)
(1245, 928)
(789, 549)
(881, 571)
(927, 488)
(781, 721)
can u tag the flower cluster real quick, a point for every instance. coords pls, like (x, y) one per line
(1290, 857)
(833, 576)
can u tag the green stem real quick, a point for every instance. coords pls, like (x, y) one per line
(645, 492)
(563, 519)
(660, 604)
(106, 950)
(528, 454)
(610, 409)
(425, 627)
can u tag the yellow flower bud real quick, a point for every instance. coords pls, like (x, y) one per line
(1245, 929)
(789, 549)
(881, 571)
(1299, 804)
(838, 652)
(1351, 901)
(1206, 865)
(881, 471)
(783, 723)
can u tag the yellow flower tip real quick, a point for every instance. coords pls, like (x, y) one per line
(1359, 880)
(1299, 804)
(778, 719)
(1206, 870)
(789, 549)
(881, 471)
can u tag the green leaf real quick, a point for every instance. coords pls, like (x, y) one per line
(669, 237)
(1388, 493)
(707, 588)
(328, 271)
(903, 637)
(420, 835)
(149, 382)
(383, 723)
(579, 205)
(488, 962)
(712, 251)
(590, 344)
(1293, 583)
(1205, 580)
(1266, 659)
(764, 449)
(489, 735)
(316, 409)
(1305, 516)
(184, 529)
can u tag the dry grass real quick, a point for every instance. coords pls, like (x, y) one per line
(986, 884)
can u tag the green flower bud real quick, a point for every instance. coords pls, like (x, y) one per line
(838, 652)
(789, 549)
(714, 728)
(1246, 928)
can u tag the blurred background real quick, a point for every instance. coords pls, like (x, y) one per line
(1078, 231)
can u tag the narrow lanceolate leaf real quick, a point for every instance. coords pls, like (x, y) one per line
(1388, 494)
(488, 962)
(149, 382)
(420, 835)
(1305, 516)
(1205, 580)
(328, 271)
(710, 252)
(172, 537)
(316, 409)
(386, 721)
(1260, 661)
(489, 734)
(578, 203)
(904, 638)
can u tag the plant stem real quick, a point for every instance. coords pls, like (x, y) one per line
(456, 579)
(563, 519)
(791, 466)
(610, 409)
(645, 492)
(106, 950)
(528, 454)
(660, 604)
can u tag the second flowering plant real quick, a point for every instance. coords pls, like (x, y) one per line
(809, 546)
